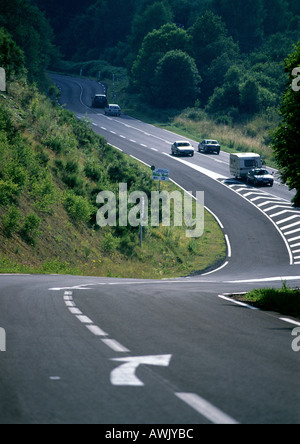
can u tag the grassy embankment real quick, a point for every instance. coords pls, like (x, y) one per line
(52, 167)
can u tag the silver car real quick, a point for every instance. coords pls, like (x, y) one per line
(113, 110)
(182, 148)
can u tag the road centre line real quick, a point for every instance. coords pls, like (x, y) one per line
(200, 405)
(206, 409)
(84, 319)
(94, 329)
(115, 346)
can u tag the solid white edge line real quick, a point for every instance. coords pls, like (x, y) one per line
(214, 271)
(206, 409)
(242, 304)
(290, 321)
(228, 246)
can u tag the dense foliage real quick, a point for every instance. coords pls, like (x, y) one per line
(237, 47)
(32, 33)
(287, 137)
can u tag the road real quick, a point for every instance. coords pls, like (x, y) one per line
(109, 351)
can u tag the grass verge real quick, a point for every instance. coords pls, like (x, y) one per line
(285, 301)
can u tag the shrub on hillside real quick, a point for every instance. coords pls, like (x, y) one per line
(78, 208)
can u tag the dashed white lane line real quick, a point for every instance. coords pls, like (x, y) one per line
(200, 405)
(115, 346)
(206, 409)
(94, 329)
(84, 319)
(97, 331)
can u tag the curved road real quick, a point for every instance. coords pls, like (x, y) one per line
(95, 350)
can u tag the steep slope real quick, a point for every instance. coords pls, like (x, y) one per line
(52, 166)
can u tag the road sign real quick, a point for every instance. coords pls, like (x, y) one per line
(161, 175)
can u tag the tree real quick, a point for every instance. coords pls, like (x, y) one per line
(244, 20)
(31, 32)
(154, 17)
(11, 57)
(249, 97)
(214, 51)
(103, 25)
(155, 45)
(176, 81)
(286, 138)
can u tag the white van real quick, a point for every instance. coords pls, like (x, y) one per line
(242, 163)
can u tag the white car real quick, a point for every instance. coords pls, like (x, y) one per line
(182, 148)
(113, 110)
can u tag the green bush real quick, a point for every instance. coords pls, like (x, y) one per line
(9, 191)
(44, 193)
(111, 243)
(93, 171)
(78, 208)
(11, 221)
(30, 229)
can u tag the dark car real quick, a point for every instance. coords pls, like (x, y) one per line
(260, 177)
(100, 101)
(209, 147)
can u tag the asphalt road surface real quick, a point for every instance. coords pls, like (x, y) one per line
(109, 351)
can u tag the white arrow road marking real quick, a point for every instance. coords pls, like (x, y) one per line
(125, 374)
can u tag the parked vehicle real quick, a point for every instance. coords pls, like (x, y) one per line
(113, 110)
(209, 147)
(242, 163)
(100, 101)
(260, 177)
(182, 148)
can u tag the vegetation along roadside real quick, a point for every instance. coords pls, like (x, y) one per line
(285, 300)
